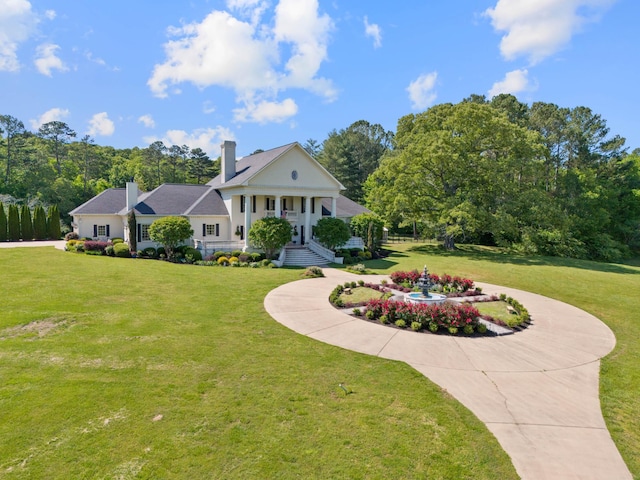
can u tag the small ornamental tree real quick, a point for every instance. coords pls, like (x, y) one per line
(3, 224)
(369, 227)
(270, 234)
(133, 239)
(26, 224)
(39, 223)
(170, 232)
(332, 232)
(13, 225)
(53, 223)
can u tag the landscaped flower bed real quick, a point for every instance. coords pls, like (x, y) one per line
(446, 316)
(449, 316)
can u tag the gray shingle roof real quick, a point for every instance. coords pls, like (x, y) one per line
(247, 167)
(108, 202)
(345, 207)
(170, 199)
(210, 203)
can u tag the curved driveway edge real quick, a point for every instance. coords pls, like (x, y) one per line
(536, 391)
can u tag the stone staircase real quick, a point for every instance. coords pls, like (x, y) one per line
(301, 256)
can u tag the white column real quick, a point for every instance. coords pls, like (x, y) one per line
(247, 218)
(333, 207)
(278, 211)
(307, 218)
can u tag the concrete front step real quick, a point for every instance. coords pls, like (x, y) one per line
(303, 257)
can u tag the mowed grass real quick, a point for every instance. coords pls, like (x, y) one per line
(611, 292)
(144, 369)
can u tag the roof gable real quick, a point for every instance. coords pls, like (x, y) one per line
(274, 168)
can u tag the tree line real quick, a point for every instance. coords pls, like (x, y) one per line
(52, 167)
(540, 179)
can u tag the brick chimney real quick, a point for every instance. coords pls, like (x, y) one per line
(228, 160)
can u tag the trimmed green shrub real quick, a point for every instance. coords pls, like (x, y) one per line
(332, 232)
(468, 329)
(121, 250)
(53, 223)
(223, 260)
(401, 323)
(161, 252)
(236, 253)
(256, 257)
(26, 224)
(40, 230)
(233, 260)
(117, 240)
(482, 328)
(3, 224)
(416, 326)
(383, 319)
(13, 224)
(313, 272)
(150, 252)
(433, 327)
(192, 255)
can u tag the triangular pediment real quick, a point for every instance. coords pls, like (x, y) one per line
(295, 169)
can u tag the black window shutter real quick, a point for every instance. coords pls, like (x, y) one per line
(217, 229)
(108, 234)
(266, 202)
(139, 232)
(95, 230)
(313, 204)
(254, 204)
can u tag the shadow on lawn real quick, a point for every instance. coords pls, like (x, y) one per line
(478, 252)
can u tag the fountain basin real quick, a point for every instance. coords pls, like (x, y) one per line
(432, 298)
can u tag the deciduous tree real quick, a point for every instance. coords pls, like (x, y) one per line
(170, 232)
(270, 234)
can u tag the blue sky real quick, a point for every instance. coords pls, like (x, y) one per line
(269, 72)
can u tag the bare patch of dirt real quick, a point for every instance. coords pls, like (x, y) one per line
(36, 329)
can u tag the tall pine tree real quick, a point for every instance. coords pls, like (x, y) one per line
(3, 224)
(26, 224)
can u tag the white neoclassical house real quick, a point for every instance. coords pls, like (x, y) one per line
(284, 182)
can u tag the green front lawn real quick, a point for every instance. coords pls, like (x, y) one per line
(145, 369)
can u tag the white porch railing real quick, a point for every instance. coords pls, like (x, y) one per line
(291, 215)
(354, 242)
(323, 252)
(210, 246)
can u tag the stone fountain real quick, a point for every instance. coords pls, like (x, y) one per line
(424, 296)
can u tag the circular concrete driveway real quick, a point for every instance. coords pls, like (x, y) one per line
(536, 391)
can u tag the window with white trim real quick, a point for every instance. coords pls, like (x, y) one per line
(144, 232)
(213, 230)
(102, 230)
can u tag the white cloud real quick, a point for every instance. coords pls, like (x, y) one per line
(50, 14)
(266, 112)
(539, 28)
(208, 139)
(47, 59)
(226, 51)
(100, 124)
(208, 107)
(421, 90)
(17, 23)
(373, 30)
(252, 9)
(55, 114)
(514, 82)
(147, 120)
